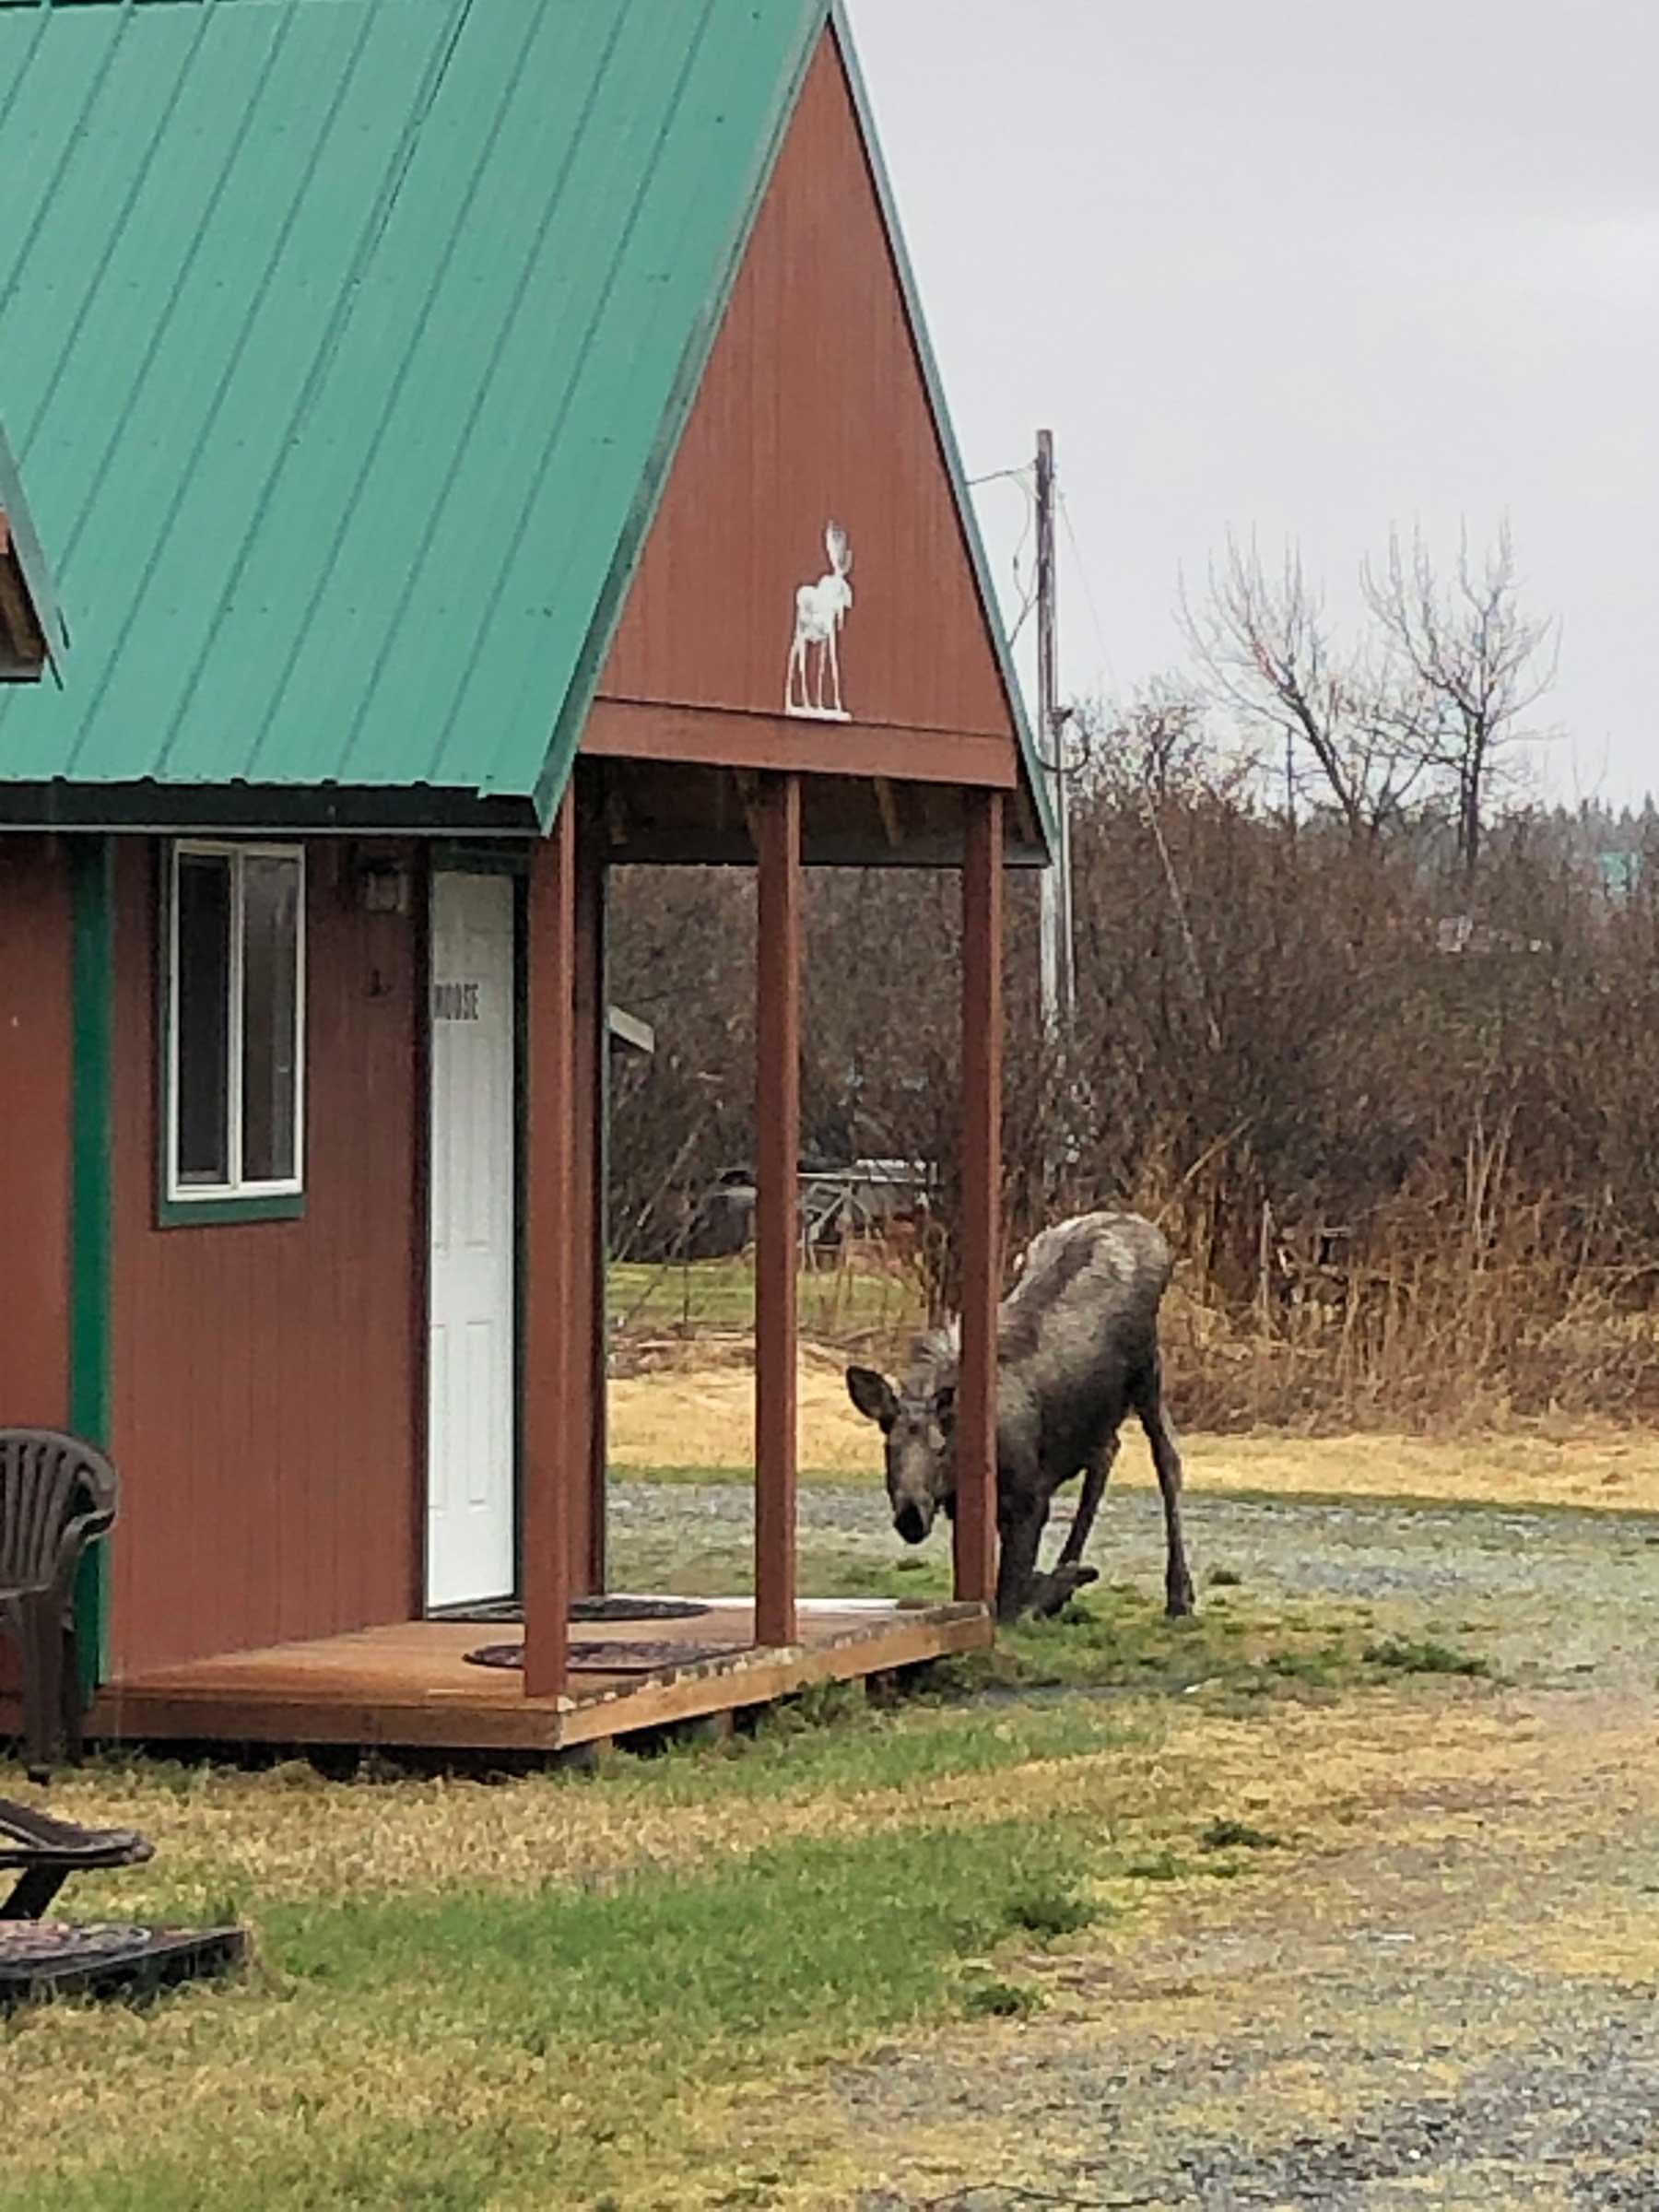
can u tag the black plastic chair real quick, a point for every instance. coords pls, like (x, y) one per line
(56, 1495)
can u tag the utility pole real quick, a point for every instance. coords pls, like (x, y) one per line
(1056, 943)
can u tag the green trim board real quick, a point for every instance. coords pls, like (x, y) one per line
(255, 810)
(218, 1212)
(92, 1005)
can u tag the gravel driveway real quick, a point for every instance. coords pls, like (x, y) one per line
(1557, 1592)
(1456, 2009)
(1455, 2002)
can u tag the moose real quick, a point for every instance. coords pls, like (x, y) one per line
(1076, 1350)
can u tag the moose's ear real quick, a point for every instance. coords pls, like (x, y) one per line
(873, 1395)
(945, 1404)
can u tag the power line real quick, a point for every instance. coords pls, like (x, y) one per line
(1089, 597)
(1149, 804)
(1022, 477)
(1058, 959)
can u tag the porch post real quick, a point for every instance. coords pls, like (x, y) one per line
(778, 1151)
(554, 1374)
(975, 1532)
(587, 1532)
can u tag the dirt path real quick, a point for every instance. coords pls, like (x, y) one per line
(1438, 1987)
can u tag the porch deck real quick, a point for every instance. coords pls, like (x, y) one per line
(411, 1684)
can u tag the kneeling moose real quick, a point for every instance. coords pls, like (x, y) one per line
(1076, 1349)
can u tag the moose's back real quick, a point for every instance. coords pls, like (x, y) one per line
(1080, 1326)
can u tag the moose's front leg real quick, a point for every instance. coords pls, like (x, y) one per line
(1051, 1593)
(1019, 1525)
(1095, 1475)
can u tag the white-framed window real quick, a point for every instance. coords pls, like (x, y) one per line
(235, 956)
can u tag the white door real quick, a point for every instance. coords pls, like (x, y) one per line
(470, 1488)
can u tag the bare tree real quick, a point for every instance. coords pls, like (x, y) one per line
(1157, 740)
(1471, 664)
(1347, 739)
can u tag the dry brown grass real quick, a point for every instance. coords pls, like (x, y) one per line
(1446, 1312)
(1610, 1469)
(696, 1414)
(695, 1408)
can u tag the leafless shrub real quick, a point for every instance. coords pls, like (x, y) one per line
(1410, 1175)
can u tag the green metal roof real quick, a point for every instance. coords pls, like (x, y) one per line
(340, 344)
(345, 345)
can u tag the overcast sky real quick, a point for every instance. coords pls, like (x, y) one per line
(1303, 269)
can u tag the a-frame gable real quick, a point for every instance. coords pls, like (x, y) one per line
(815, 416)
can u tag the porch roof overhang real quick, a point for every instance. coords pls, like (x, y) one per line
(671, 811)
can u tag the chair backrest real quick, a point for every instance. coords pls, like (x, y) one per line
(48, 1481)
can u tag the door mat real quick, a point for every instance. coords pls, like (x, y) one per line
(56, 1957)
(508, 1609)
(618, 1658)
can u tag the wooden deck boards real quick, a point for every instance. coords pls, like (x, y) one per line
(409, 1684)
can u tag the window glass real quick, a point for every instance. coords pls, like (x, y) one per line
(201, 985)
(237, 985)
(270, 1012)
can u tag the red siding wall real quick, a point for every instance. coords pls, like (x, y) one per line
(812, 407)
(35, 1045)
(265, 1373)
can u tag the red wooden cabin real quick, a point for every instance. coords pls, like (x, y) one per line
(465, 449)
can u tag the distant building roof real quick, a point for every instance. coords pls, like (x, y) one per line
(1619, 872)
(629, 1031)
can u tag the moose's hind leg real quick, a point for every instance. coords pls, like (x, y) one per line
(1166, 1461)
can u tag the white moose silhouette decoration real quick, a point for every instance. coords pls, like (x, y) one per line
(821, 609)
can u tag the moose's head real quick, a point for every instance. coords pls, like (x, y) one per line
(920, 1428)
